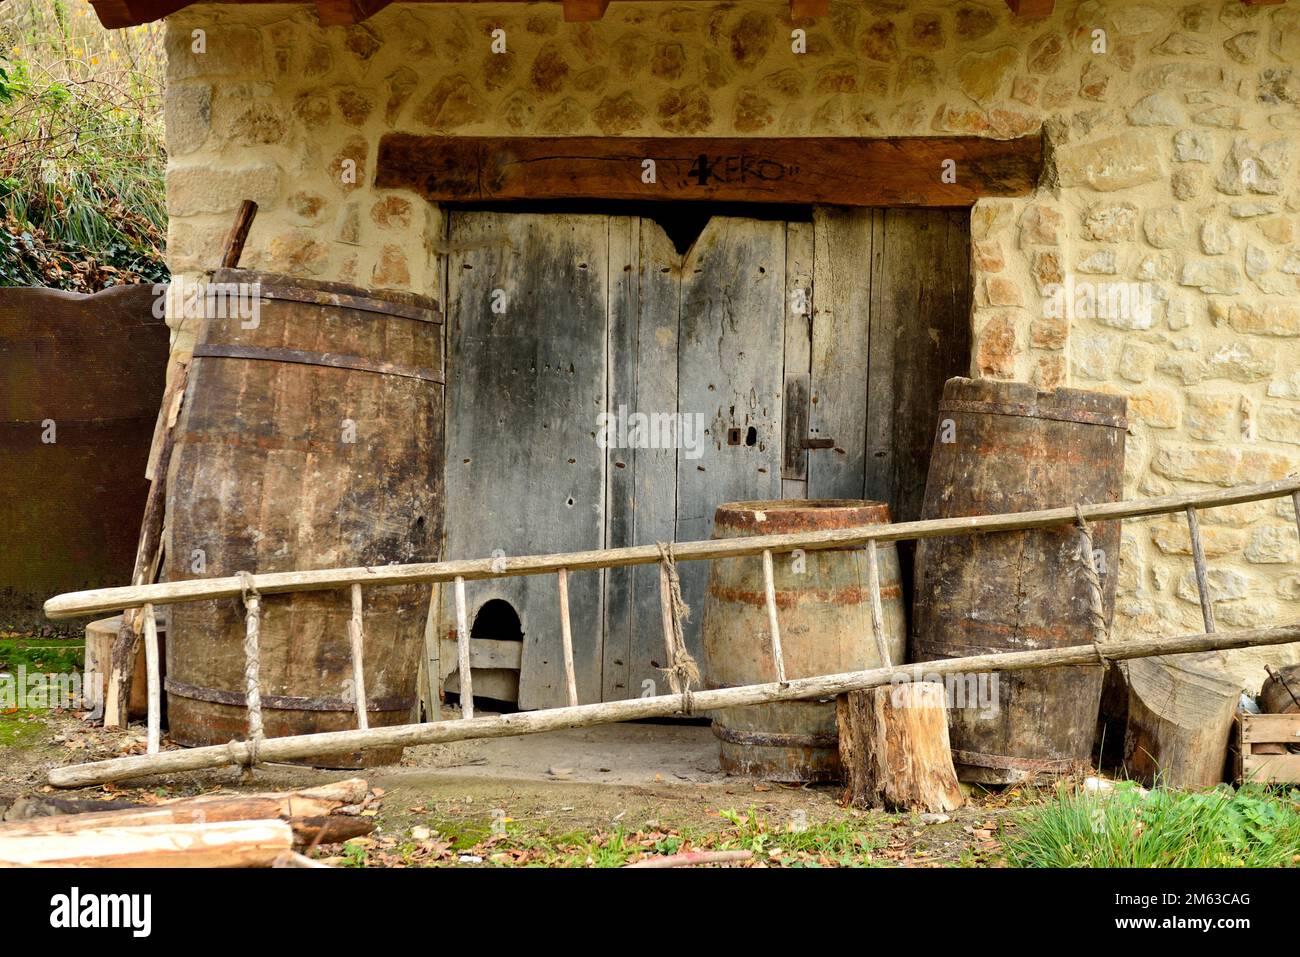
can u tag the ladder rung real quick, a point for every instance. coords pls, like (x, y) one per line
(769, 591)
(566, 635)
(877, 605)
(462, 652)
(1198, 562)
(356, 638)
(151, 668)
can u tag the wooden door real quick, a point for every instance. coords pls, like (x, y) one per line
(773, 336)
(527, 319)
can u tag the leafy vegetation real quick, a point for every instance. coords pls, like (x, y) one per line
(1130, 827)
(845, 841)
(82, 199)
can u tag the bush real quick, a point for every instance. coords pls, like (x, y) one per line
(82, 198)
(1251, 827)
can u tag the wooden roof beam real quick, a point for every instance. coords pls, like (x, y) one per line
(804, 9)
(582, 11)
(1031, 9)
(346, 13)
(115, 14)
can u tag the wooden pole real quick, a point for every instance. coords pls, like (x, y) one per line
(1198, 561)
(877, 606)
(666, 611)
(433, 656)
(238, 234)
(1295, 504)
(99, 601)
(773, 627)
(462, 653)
(155, 681)
(220, 844)
(566, 637)
(356, 638)
(631, 709)
(147, 555)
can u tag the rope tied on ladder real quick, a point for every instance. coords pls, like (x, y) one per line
(1096, 603)
(252, 665)
(682, 671)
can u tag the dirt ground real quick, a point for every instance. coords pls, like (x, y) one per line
(564, 797)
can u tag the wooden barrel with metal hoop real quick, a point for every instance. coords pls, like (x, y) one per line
(1006, 447)
(310, 437)
(824, 615)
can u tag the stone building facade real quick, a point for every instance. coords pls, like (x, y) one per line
(1172, 179)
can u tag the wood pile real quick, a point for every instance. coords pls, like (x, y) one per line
(219, 830)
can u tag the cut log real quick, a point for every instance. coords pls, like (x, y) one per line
(331, 829)
(1281, 692)
(894, 748)
(1179, 720)
(312, 804)
(220, 844)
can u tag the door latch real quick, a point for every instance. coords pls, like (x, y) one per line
(808, 442)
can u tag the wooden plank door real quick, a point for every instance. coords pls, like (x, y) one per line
(730, 374)
(527, 320)
(645, 302)
(891, 293)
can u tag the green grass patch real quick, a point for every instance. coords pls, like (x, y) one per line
(1250, 827)
(18, 730)
(842, 842)
(46, 655)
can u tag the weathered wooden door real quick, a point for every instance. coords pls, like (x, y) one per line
(792, 359)
(527, 320)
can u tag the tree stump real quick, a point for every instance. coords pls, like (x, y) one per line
(1179, 719)
(894, 748)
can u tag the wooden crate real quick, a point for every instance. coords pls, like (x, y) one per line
(1254, 730)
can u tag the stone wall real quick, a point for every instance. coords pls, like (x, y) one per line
(1172, 178)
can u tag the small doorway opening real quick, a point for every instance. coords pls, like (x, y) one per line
(497, 620)
(496, 652)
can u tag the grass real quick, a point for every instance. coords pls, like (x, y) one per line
(843, 842)
(82, 198)
(1249, 827)
(49, 655)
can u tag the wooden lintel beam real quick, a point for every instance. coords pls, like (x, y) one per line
(116, 14)
(840, 171)
(346, 13)
(583, 11)
(806, 9)
(1031, 8)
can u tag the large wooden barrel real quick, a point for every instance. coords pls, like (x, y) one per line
(309, 439)
(80, 381)
(1281, 695)
(824, 612)
(1005, 447)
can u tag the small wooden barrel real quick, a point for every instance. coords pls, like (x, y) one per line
(824, 613)
(310, 438)
(1005, 447)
